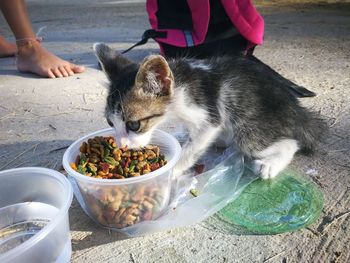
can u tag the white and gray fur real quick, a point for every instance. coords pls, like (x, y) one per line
(231, 97)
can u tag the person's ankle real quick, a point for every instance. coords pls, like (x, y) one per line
(26, 47)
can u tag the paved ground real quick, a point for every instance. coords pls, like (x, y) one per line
(308, 43)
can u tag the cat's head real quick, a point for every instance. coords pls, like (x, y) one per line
(139, 94)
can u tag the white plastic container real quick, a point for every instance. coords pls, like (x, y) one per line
(118, 203)
(34, 223)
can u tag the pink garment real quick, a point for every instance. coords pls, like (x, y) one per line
(246, 19)
(242, 13)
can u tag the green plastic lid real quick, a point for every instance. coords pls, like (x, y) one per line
(286, 203)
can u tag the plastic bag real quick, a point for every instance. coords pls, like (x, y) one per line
(235, 201)
(216, 187)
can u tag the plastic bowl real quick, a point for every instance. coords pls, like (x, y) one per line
(34, 223)
(118, 203)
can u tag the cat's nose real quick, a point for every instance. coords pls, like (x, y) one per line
(124, 142)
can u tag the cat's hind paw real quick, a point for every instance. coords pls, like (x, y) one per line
(272, 160)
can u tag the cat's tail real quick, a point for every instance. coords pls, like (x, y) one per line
(291, 87)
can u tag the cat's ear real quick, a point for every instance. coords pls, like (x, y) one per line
(111, 61)
(155, 77)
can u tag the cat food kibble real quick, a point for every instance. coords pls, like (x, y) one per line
(101, 158)
(121, 205)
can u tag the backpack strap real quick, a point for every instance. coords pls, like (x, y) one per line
(150, 33)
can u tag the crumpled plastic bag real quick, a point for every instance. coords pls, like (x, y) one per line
(216, 187)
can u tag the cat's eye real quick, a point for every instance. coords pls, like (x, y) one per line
(133, 125)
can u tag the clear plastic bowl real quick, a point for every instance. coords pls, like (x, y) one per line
(118, 203)
(34, 223)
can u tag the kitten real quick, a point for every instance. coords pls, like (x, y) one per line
(222, 97)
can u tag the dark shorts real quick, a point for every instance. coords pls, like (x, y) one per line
(236, 45)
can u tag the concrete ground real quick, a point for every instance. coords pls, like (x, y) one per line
(306, 42)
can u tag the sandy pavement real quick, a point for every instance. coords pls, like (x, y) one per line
(308, 43)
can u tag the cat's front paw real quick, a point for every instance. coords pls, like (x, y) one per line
(266, 168)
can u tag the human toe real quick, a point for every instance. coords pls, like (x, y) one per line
(63, 71)
(50, 74)
(69, 70)
(57, 72)
(77, 69)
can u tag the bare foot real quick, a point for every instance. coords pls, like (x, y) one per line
(7, 49)
(34, 58)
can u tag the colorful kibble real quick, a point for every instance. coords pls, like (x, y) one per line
(101, 158)
(123, 206)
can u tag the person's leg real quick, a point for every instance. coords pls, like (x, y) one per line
(31, 56)
(7, 49)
